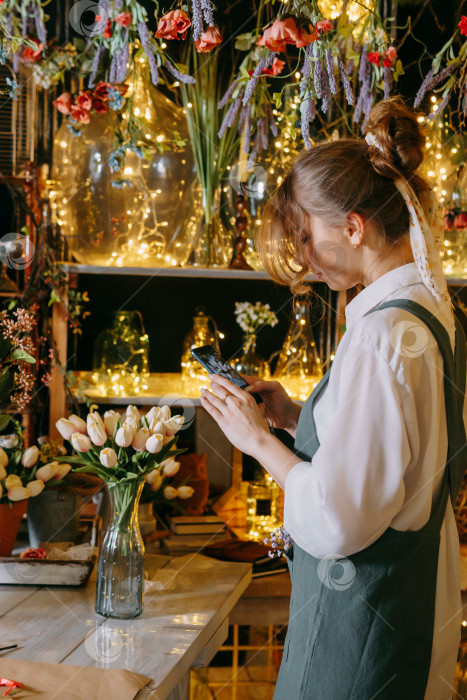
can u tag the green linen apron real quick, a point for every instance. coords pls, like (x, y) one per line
(361, 627)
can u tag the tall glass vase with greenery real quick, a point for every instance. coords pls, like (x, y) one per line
(214, 150)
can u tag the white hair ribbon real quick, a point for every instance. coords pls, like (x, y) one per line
(426, 242)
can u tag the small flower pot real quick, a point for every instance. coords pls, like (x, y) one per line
(53, 516)
(10, 519)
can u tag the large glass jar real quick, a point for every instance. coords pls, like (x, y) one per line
(120, 570)
(262, 505)
(121, 356)
(150, 222)
(298, 367)
(203, 332)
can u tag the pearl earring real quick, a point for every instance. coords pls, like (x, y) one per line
(355, 245)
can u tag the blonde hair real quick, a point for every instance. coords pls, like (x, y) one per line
(335, 178)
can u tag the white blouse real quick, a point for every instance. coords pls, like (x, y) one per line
(381, 425)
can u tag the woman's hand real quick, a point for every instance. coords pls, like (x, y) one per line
(279, 409)
(237, 414)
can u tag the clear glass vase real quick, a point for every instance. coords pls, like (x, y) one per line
(213, 245)
(121, 356)
(120, 578)
(298, 366)
(251, 362)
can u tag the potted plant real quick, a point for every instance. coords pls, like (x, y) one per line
(22, 477)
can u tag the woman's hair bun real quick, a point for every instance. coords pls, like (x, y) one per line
(397, 130)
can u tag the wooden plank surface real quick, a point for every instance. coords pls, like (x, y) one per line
(189, 599)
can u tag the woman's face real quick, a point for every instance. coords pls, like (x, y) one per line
(327, 251)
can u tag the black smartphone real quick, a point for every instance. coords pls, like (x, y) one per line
(214, 364)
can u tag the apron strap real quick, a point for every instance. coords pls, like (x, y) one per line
(454, 389)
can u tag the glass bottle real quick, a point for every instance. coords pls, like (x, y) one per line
(121, 356)
(250, 361)
(298, 366)
(262, 507)
(203, 332)
(120, 571)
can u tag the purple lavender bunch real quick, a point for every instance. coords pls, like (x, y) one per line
(330, 71)
(113, 69)
(325, 91)
(242, 118)
(226, 96)
(280, 542)
(207, 12)
(246, 143)
(182, 77)
(307, 114)
(431, 81)
(305, 70)
(40, 28)
(265, 62)
(263, 132)
(229, 116)
(122, 61)
(95, 65)
(346, 83)
(197, 19)
(145, 42)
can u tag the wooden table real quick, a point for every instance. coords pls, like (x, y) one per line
(183, 624)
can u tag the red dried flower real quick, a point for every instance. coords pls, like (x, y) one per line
(374, 57)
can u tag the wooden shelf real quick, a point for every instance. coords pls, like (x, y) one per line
(454, 281)
(187, 271)
(163, 388)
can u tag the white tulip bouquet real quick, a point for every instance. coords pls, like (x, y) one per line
(124, 449)
(25, 473)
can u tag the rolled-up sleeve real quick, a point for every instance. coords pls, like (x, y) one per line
(346, 497)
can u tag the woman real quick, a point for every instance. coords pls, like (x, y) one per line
(380, 446)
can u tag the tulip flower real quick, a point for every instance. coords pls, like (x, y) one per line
(174, 424)
(48, 471)
(124, 436)
(140, 439)
(170, 467)
(165, 412)
(12, 480)
(62, 471)
(9, 441)
(154, 479)
(3, 457)
(79, 423)
(66, 428)
(111, 419)
(131, 423)
(3, 473)
(154, 443)
(153, 413)
(18, 493)
(157, 426)
(35, 487)
(108, 457)
(185, 492)
(96, 430)
(30, 457)
(132, 412)
(170, 493)
(80, 442)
